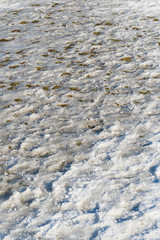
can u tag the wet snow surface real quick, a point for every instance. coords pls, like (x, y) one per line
(79, 114)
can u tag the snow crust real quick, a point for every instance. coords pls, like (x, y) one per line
(79, 120)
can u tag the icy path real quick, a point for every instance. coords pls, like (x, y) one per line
(79, 120)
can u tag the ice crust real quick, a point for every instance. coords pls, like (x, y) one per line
(79, 120)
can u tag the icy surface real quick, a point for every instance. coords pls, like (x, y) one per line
(79, 120)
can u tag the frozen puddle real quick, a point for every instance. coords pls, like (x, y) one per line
(80, 131)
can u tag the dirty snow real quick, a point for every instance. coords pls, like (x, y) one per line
(79, 125)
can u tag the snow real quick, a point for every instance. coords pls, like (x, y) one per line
(79, 125)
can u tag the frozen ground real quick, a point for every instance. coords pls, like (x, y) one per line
(79, 114)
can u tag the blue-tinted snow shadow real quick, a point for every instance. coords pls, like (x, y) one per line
(144, 233)
(6, 196)
(11, 163)
(97, 232)
(95, 211)
(152, 170)
(48, 186)
(2, 236)
(123, 219)
(45, 223)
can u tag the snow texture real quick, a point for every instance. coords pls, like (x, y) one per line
(79, 120)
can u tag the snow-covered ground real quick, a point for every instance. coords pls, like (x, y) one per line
(79, 120)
